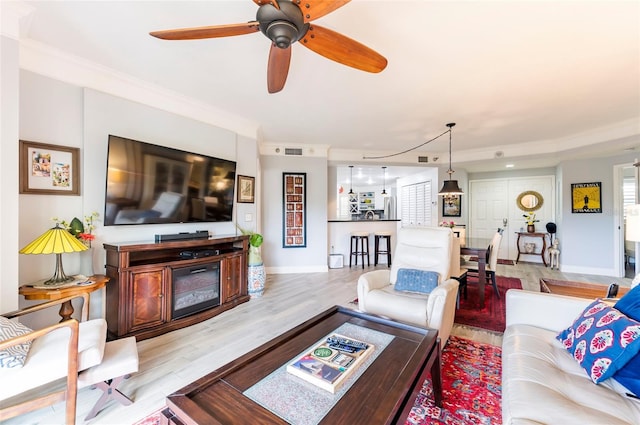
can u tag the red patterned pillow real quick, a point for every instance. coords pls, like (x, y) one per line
(602, 340)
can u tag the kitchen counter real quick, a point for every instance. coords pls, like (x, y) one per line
(340, 235)
(347, 220)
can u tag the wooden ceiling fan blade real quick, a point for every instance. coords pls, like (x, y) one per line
(278, 68)
(273, 3)
(342, 49)
(314, 9)
(207, 32)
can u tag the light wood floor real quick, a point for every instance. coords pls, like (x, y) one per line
(173, 360)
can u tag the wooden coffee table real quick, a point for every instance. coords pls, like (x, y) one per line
(383, 394)
(577, 289)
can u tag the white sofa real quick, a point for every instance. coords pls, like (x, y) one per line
(541, 382)
(421, 248)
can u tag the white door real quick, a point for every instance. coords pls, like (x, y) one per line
(488, 208)
(493, 205)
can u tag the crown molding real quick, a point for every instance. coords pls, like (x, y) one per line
(16, 18)
(54, 63)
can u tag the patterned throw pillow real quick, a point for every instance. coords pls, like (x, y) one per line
(602, 340)
(16, 355)
(412, 280)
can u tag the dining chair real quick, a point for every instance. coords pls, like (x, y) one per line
(492, 260)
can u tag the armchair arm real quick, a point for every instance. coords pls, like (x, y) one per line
(547, 311)
(27, 310)
(370, 281)
(441, 308)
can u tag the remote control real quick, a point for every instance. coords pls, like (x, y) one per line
(346, 345)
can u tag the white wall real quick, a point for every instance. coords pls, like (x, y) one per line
(313, 257)
(9, 101)
(59, 113)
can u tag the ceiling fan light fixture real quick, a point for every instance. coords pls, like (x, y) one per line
(282, 33)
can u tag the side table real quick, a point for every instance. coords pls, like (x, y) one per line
(542, 236)
(66, 308)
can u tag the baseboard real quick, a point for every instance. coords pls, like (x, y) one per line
(302, 269)
(587, 270)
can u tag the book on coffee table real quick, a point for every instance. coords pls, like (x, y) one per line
(329, 363)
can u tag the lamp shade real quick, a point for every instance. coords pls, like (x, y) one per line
(54, 241)
(632, 224)
(450, 187)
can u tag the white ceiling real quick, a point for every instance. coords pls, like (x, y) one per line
(527, 82)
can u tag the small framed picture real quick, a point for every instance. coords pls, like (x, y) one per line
(451, 206)
(586, 197)
(49, 169)
(246, 189)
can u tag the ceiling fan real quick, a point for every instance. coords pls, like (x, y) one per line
(284, 22)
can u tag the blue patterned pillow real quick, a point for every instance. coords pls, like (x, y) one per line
(412, 280)
(602, 340)
(13, 356)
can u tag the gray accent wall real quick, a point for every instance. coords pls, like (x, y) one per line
(313, 257)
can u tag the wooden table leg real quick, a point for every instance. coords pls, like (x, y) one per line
(66, 310)
(436, 376)
(482, 277)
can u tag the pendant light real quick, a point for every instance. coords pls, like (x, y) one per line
(384, 180)
(351, 180)
(450, 188)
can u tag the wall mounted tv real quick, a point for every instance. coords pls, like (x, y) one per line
(151, 184)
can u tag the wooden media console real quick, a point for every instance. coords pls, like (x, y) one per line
(143, 298)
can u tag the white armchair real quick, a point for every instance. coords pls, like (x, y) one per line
(76, 352)
(418, 248)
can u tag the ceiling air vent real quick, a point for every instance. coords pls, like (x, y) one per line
(293, 151)
(423, 159)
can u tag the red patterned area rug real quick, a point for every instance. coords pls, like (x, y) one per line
(471, 387)
(492, 316)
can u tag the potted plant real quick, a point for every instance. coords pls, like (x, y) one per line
(530, 219)
(256, 276)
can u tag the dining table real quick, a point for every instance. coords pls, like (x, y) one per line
(477, 247)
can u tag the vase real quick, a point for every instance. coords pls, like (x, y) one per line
(257, 276)
(531, 228)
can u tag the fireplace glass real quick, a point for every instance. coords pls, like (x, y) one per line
(195, 288)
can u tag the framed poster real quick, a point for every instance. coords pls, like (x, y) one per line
(49, 169)
(586, 197)
(451, 206)
(246, 189)
(294, 233)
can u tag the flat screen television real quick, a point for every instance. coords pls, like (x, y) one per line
(151, 184)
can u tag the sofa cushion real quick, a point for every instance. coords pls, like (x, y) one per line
(413, 280)
(542, 384)
(629, 304)
(16, 355)
(602, 340)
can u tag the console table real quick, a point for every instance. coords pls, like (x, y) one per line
(140, 299)
(540, 235)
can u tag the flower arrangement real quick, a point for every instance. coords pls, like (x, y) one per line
(450, 224)
(530, 218)
(82, 231)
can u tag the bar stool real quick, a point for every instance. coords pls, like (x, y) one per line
(362, 250)
(377, 251)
